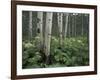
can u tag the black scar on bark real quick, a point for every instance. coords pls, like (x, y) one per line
(38, 30)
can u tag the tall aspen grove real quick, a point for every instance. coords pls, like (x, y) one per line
(54, 39)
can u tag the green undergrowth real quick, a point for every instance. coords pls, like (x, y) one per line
(73, 52)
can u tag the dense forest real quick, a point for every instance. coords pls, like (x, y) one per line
(54, 39)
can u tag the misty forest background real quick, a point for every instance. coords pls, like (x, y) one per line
(54, 39)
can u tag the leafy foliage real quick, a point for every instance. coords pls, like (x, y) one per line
(73, 52)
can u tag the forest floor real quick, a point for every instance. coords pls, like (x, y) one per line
(73, 52)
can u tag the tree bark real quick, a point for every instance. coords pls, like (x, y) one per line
(40, 27)
(69, 25)
(48, 30)
(75, 23)
(30, 25)
(60, 25)
(66, 25)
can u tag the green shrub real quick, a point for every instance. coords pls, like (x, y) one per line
(73, 52)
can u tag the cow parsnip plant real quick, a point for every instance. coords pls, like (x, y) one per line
(73, 52)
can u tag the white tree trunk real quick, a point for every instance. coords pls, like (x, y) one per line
(60, 25)
(48, 29)
(30, 25)
(73, 25)
(40, 26)
(66, 25)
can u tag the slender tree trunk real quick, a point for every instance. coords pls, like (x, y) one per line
(71, 22)
(30, 25)
(66, 25)
(40, 26)
(48, 30)
(60, 25)
(69, 26)
(82, 25)
(75, 23)
(87, 24)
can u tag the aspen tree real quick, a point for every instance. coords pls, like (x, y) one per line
(40, 26)
(60, 25)
(48, 30)
(75, 23)
(66, 25)
(30, 25)
(69, 25)
(82, 24)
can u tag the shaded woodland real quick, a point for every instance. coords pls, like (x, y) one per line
(54, 39)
